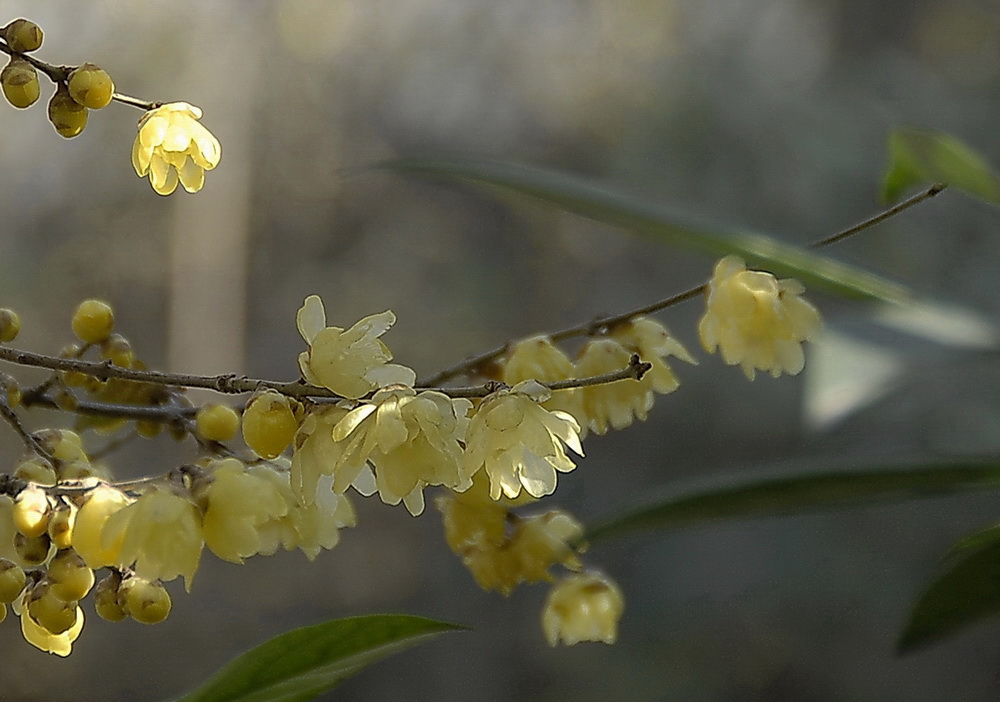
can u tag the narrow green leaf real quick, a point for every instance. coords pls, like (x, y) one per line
(965, 591)
(925, 157)
(303, 663)
(589, 200)
(798, 492)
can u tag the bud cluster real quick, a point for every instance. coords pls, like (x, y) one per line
(83, 88)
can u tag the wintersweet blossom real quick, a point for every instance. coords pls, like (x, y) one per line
(651, 340)
(315, 452)
(756, 320)
(161, 533)
(87, 540)
(237, 505)
(173, 146)
(351, 363)
(60, 644)
(613, 405)
(519, 443)
(412, 440)
(537, 358)
(583, 607)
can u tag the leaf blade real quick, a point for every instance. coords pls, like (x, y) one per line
(587, 199)
(797, 492)
(921, 157)
(965, 591)
(305, 662)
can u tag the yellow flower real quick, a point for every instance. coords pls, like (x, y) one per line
(102, 502)
(583, 607)
(316, 453)
(520, 443)
(537, 358)
(613, 404)
(172, 145)
(237, 505)
(38, 636)
(412, 440)
(756, 320)
(653, 343)
(352, 363)
(161, 533)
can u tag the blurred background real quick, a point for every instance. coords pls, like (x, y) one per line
(767, 113)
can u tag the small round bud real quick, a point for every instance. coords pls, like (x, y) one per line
(67, 115)
(146, 602)
(64, 444)
(23, 35)
(93, 321)
(269, 424)
(61, 525)
(91, 86)
(32, 551)
(51, 613)
(70, 579)
(35, 470)
(217, 422)
(20, 83)
(108, 599)
(10, 324)
(117, 349)
(11, 581)
(31, 511)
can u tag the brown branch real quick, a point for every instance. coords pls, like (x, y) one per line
(602, 324)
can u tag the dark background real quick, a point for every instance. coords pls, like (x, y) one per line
(768, 113)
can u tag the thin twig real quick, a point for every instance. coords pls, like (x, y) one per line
(30, 442)
(602, 324)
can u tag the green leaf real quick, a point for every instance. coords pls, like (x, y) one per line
(303, 663)
(965, 591)
(798, 492)
(925, 157)
(589, 200)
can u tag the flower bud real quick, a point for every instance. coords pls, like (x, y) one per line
(67, 115)
(23, 35)
(147, 602)
(70, 579)
(269, 424)
(61, 525)
(51, 613)
(11, 581)
(10, 324)
(35, 470)
(31, 511)
(33, 551)
(20, 83)
(91, 86)
(217, 422)
(108, 599)
(93, 321)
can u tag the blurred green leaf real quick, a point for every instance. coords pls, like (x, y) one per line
(965, 591)
(798, 492)
(589, 200)
(925, 157)
(303, 663)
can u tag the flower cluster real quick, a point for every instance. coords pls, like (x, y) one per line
(354, 421)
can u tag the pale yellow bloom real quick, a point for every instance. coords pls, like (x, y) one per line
(471, 519)
(520, 443)
(161, 533)
(583, 607)
(102, 502)
(352, 363)
(411, 439)
(173, 146)
(756, 320)
(315, 452)
(537, 358)
(307, 527)
(654, 344)
(41, 638)
(613, 404)
(237, 505)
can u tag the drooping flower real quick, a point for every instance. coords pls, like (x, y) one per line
(315, 452)
(102, 502)
(161, 533)
(519, 443)
(60, 644)
(651, 340)
(237, 505)
(756, 320)
(351, 363)
(537, 358)
(410, 438)
(173, 146)
(583, 607)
